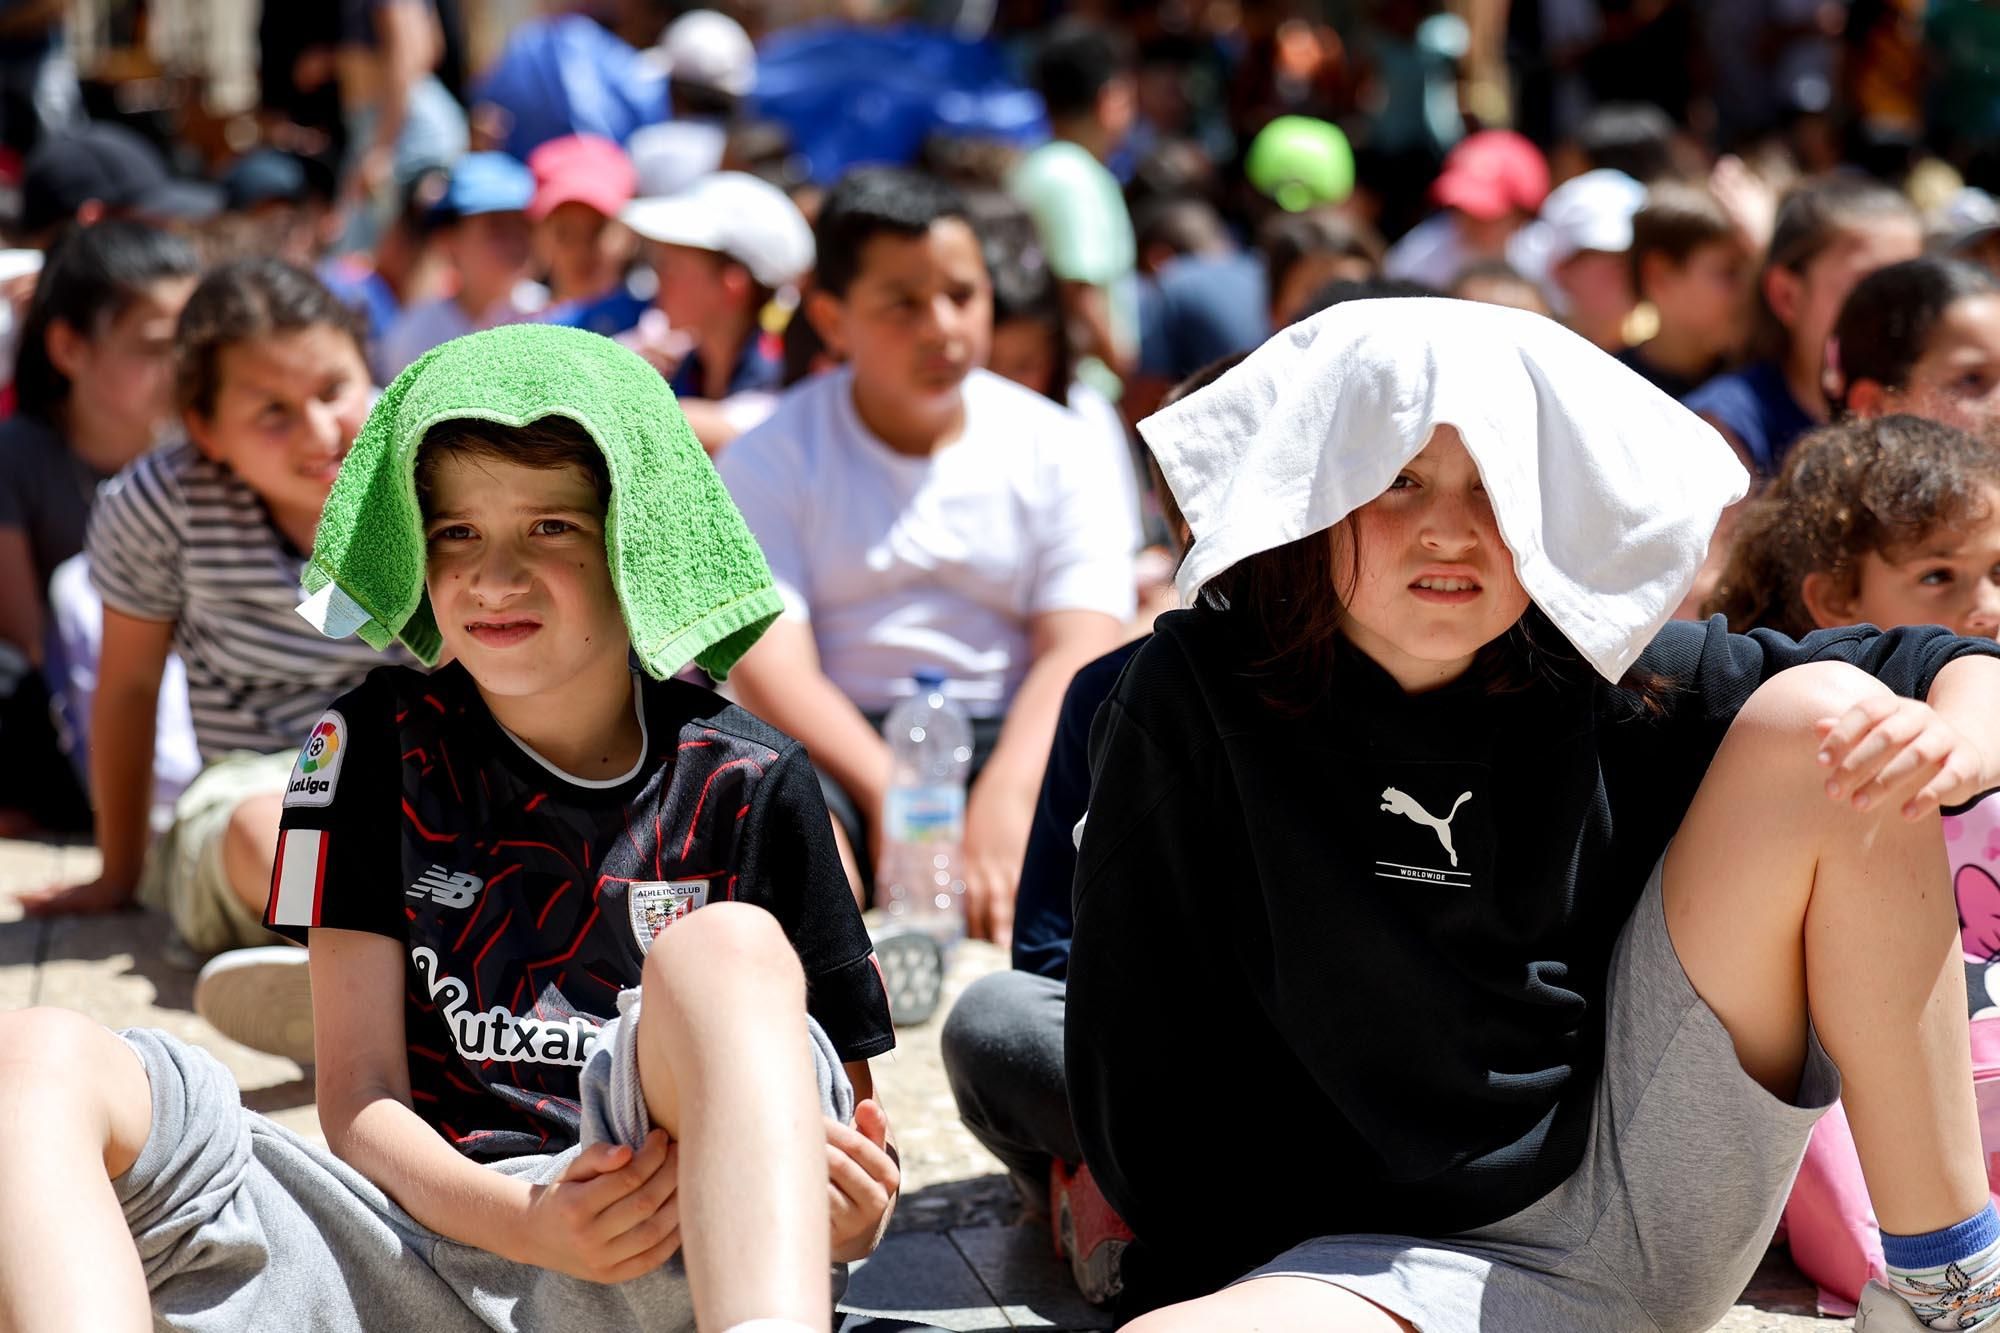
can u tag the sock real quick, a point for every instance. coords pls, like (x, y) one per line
(771, 1326)
(1951, 1278)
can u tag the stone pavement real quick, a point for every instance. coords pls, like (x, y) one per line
(956, 1257)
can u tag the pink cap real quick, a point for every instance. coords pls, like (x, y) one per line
(1493, 173)
(582, 169)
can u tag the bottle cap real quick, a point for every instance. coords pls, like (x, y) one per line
(929, 679)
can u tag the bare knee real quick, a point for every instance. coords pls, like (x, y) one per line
(66, 1070)
(252, 835)
(724, 946)
(1788, 705)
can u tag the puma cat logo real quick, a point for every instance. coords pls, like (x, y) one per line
(1402, 803)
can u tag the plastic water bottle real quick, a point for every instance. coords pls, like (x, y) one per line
(920, 877)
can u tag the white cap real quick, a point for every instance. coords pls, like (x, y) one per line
(671, 156)
(710, 49)
(1592, 212)
(732, 213)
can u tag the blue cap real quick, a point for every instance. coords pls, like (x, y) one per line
(487, 183)
(929, 678)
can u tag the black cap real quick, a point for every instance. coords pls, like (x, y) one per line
(113, 165)
(262, 176)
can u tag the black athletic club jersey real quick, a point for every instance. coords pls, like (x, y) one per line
(526, 899)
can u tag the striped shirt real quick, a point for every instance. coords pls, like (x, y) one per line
(177, 537)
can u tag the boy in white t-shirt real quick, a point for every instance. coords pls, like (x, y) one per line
(920, 512)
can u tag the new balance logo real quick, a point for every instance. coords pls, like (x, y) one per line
(447, 888)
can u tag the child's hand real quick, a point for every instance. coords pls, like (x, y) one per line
(997, 822)
(98, 895)
(862, 1180)
(1886, 749)
(612, 1217)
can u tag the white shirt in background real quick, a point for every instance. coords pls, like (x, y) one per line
(939, 561)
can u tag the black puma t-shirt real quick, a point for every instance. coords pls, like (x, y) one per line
(1382, 932)
(526, 899)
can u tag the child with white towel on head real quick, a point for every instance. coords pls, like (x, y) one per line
(1511, 937)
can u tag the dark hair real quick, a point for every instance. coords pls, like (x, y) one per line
(1075, 63)
(247, 300)
(1890, 315)
(1342, 290)
(1172, 169)
(1857, 486)
(1287, 240)
(546, 442)
(1636, 138)
(1184, 225)
(91, 277)
(870, 202)
(1025, 288)
(1676, 221)
(1811, 219)
(802, 346)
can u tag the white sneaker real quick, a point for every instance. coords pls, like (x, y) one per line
(260, 997)
(1883, 1311)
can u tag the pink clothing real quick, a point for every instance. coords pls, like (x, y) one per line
(1829, 1224)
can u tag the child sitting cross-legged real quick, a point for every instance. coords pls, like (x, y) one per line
(593, 1003)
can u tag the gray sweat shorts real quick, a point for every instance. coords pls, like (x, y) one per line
(1689, 1164)
(243, 1225)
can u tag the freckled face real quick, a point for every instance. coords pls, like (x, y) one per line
(519, 581)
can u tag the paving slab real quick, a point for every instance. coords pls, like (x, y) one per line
(920, 1277)
(1019, 1266)
(23, 865)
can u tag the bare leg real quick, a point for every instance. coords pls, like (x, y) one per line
(75, 1110)
(726, 1071)
(249, 847)
(1274, 1305)
(1782, 903)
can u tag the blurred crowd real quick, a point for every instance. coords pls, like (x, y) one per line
(1088, 203)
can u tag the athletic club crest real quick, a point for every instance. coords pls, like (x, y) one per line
(656, 904)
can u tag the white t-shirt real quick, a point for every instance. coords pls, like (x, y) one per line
(941, 561)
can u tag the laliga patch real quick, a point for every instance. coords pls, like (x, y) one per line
(656, 904)
(318, 766)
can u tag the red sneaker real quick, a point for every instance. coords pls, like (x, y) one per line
(1087, 1231)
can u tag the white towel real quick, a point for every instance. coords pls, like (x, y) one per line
(1606, 490)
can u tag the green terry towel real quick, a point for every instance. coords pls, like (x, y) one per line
(692, 583)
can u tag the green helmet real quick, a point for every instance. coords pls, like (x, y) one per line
(1300, 162)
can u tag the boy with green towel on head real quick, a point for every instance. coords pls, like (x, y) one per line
(593, 1005)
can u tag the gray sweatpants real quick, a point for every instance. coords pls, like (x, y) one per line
(1003, 1055)
(1689, 1163)
(242, 1225)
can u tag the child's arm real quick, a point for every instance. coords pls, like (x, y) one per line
(122, 719)
(20, 598)
(780, 680)
(1001, 809)
(864, 1172)
(1918, 755)
(581, 1225)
